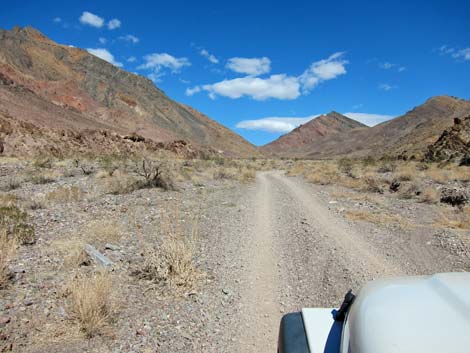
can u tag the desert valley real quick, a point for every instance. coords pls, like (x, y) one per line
(134, 223)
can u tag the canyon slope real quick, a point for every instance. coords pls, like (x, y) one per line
(407, 136)
(57, 89)
(299, 140)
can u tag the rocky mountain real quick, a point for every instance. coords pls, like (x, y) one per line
(453, 144)
(299, 140)
(407, 136)
(63, 89)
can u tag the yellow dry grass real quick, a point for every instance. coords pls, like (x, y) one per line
(456, 219)
(106, 230)
(376, 218)
(430, 195)
(91, 302)
(64, 194)
(8, 246)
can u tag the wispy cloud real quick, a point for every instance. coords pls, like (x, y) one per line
(458, 54)
(105, 55)
(159, 62)
(323, 70)
(192, 91)
(280, 86)
(212, 58)
(56, 20)
(249, 66)
(102, 40)
(131, 59)
(286, 124)
(114, 23)
(386, 87)
(90, 19)
(388, 65)
(129, 38)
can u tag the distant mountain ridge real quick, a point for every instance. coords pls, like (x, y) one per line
(407, 136)
(298, 140)
(64, 88)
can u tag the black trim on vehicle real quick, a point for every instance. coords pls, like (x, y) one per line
(292, 337)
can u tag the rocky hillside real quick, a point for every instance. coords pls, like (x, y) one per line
(407, 136)
(68, 89)
(299, 140)
(453, 144)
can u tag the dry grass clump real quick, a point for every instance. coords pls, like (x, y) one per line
(91, 302)
(430, 195)
(43, 178)
(458, 219)
(65, 194)
(103, 230)
(438, 175)
(11, 184)
(8, 247)
(14, 222)
(171, 262)
(406, 172)
(71, 250)
(376, 218)
(120, 183)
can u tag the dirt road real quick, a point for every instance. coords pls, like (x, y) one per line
(298, 253)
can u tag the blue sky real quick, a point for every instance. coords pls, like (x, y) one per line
(263, 67)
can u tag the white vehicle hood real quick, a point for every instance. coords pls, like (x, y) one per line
(411, 315)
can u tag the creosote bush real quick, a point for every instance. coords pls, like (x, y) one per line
(14, 221)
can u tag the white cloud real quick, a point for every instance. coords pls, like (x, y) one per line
(129, 38)
(386, 65)
(57, 20)
(114, 23)
(157, 62)
(462, 54)
(250, 66)
(286, 124)
(458, 54)
(209, 56)
(105, 55)
(274, 124)
(280, 86)
(192, 91)
(369, 119)
(386, 87)
(131, 59)
(276, 86)
(102, 40)
(323, 70)
(401, 69)
(91, 19)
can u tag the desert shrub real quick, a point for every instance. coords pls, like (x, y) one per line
(155, 177)
(11, 184)
(42, 162)
(377, 218)
(387, 167)
(430, 195)
(42, 179)
(371, 184)
(65, 194)
(91, 303)
(409, 190)
(369, 161)
(14, 221)
(345, 165)
(7, 254)
(456, 219)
